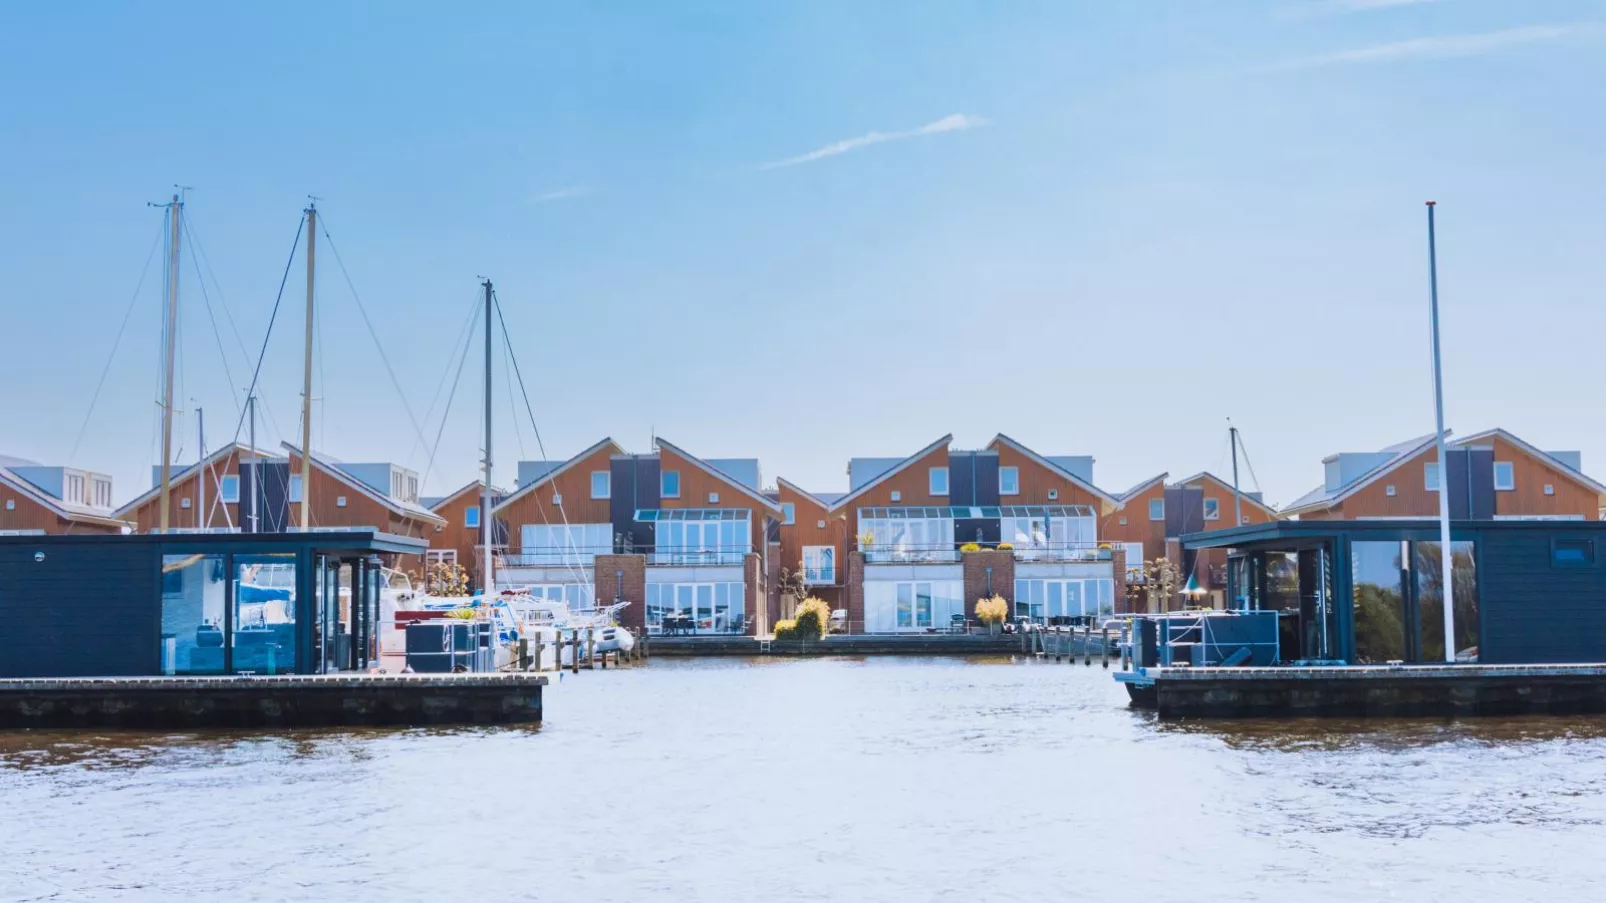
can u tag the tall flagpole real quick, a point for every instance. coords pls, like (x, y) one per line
(1448, 571)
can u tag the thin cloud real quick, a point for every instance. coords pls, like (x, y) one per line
(1445, 46)
(1349, 7)
(957, 122)
(562, 194)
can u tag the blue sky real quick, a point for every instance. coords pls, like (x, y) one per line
(807, 231)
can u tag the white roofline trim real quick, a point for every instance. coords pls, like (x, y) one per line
(1124, 497)
(552, 474)
(842, 502)
(1205, 474)
(1575, 475)
(1110, 499)
(421, 514)
(447, 498)
(783, 481)
(187, 472)
(46, 500)
(1367, 479)
(713, 471)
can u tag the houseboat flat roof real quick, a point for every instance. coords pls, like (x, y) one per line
(1293, 530)
(359, 540)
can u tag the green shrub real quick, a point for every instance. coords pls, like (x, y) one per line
(809, 622)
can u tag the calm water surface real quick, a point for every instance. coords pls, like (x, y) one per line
(818, 780)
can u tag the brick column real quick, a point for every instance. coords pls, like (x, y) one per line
(854, 591)
(772, 588)
(757, 601)
(976, 565)
(623, 577)
(1118, 562)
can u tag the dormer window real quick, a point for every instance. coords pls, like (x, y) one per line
(73, 489)
(103, 493)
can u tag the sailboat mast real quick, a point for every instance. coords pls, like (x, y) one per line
(306, 374)
(256, 469)
(1237, 496)
(1448, 573)
(174, 216)
(485, 491)
(201, 469)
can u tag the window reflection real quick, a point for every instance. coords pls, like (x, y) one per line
(1429, 566)
(193, 593)
(264, 639)
(1379, 602)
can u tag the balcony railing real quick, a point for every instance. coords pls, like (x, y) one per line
(585, 556)
(950, 552)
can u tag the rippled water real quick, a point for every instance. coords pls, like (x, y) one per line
(883, 779)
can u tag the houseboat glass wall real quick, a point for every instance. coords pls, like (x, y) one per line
(1379, 592)
(1428, 565)
(1059, 601)
(264, 640)
(194, 598)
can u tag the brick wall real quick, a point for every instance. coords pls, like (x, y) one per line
(624, 577)
(855, 590)
(772, 588)
(976, 565)
(1118, 562)
(757, 601)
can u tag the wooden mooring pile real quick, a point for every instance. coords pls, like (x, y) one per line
(1067, 644)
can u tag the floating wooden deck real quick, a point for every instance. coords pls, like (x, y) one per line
(165, 703)
(1369, 690)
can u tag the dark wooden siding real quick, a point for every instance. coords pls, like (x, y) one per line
(1533, 611)
(87, 610)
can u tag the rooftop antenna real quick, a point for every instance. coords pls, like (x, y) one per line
(1447, 571)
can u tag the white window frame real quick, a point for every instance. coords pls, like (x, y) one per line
(293, 490)
(73, 490)
(1012, 487)
(1152, 503)
(471, 516)
(102, 488)
(1511, 476)
(788, 513)
(663, 484)
(433, 557)
(819, 565)
(228, 489)
(1430, 476)
(1212, 508)
(607, 484)
(562, 545)
(931, 481)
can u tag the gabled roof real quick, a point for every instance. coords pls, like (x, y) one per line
(1561, 466)
(889, 472)
(553, 473)
(405, 509)
(1251, 498)
(68, 510)
(1142, 487)
(178, 476)
(782, 481)
(1322, 497)
(437, 502)
(1055, 468)
(724, 477)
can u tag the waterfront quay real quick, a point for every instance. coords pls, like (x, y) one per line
(284, 701)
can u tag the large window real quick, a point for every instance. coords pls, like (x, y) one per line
(1212, 509)
(193, 598)
(471, 516)
(819, 564)
(701, 541)
(669, 484)
(1429, 573)
(229, 489)
(577, 595)
(788, 513)
(600, 484)
(1058, 533)
(1055, 601)
(264, 640)
(1379, 591)
(1156, 509)
(563, 544)
(103, 494)
(295, 487)
(676, 608)
(938, 481)
(1430, 476)
(1009, 481)
(912, 606)
(891, 538)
